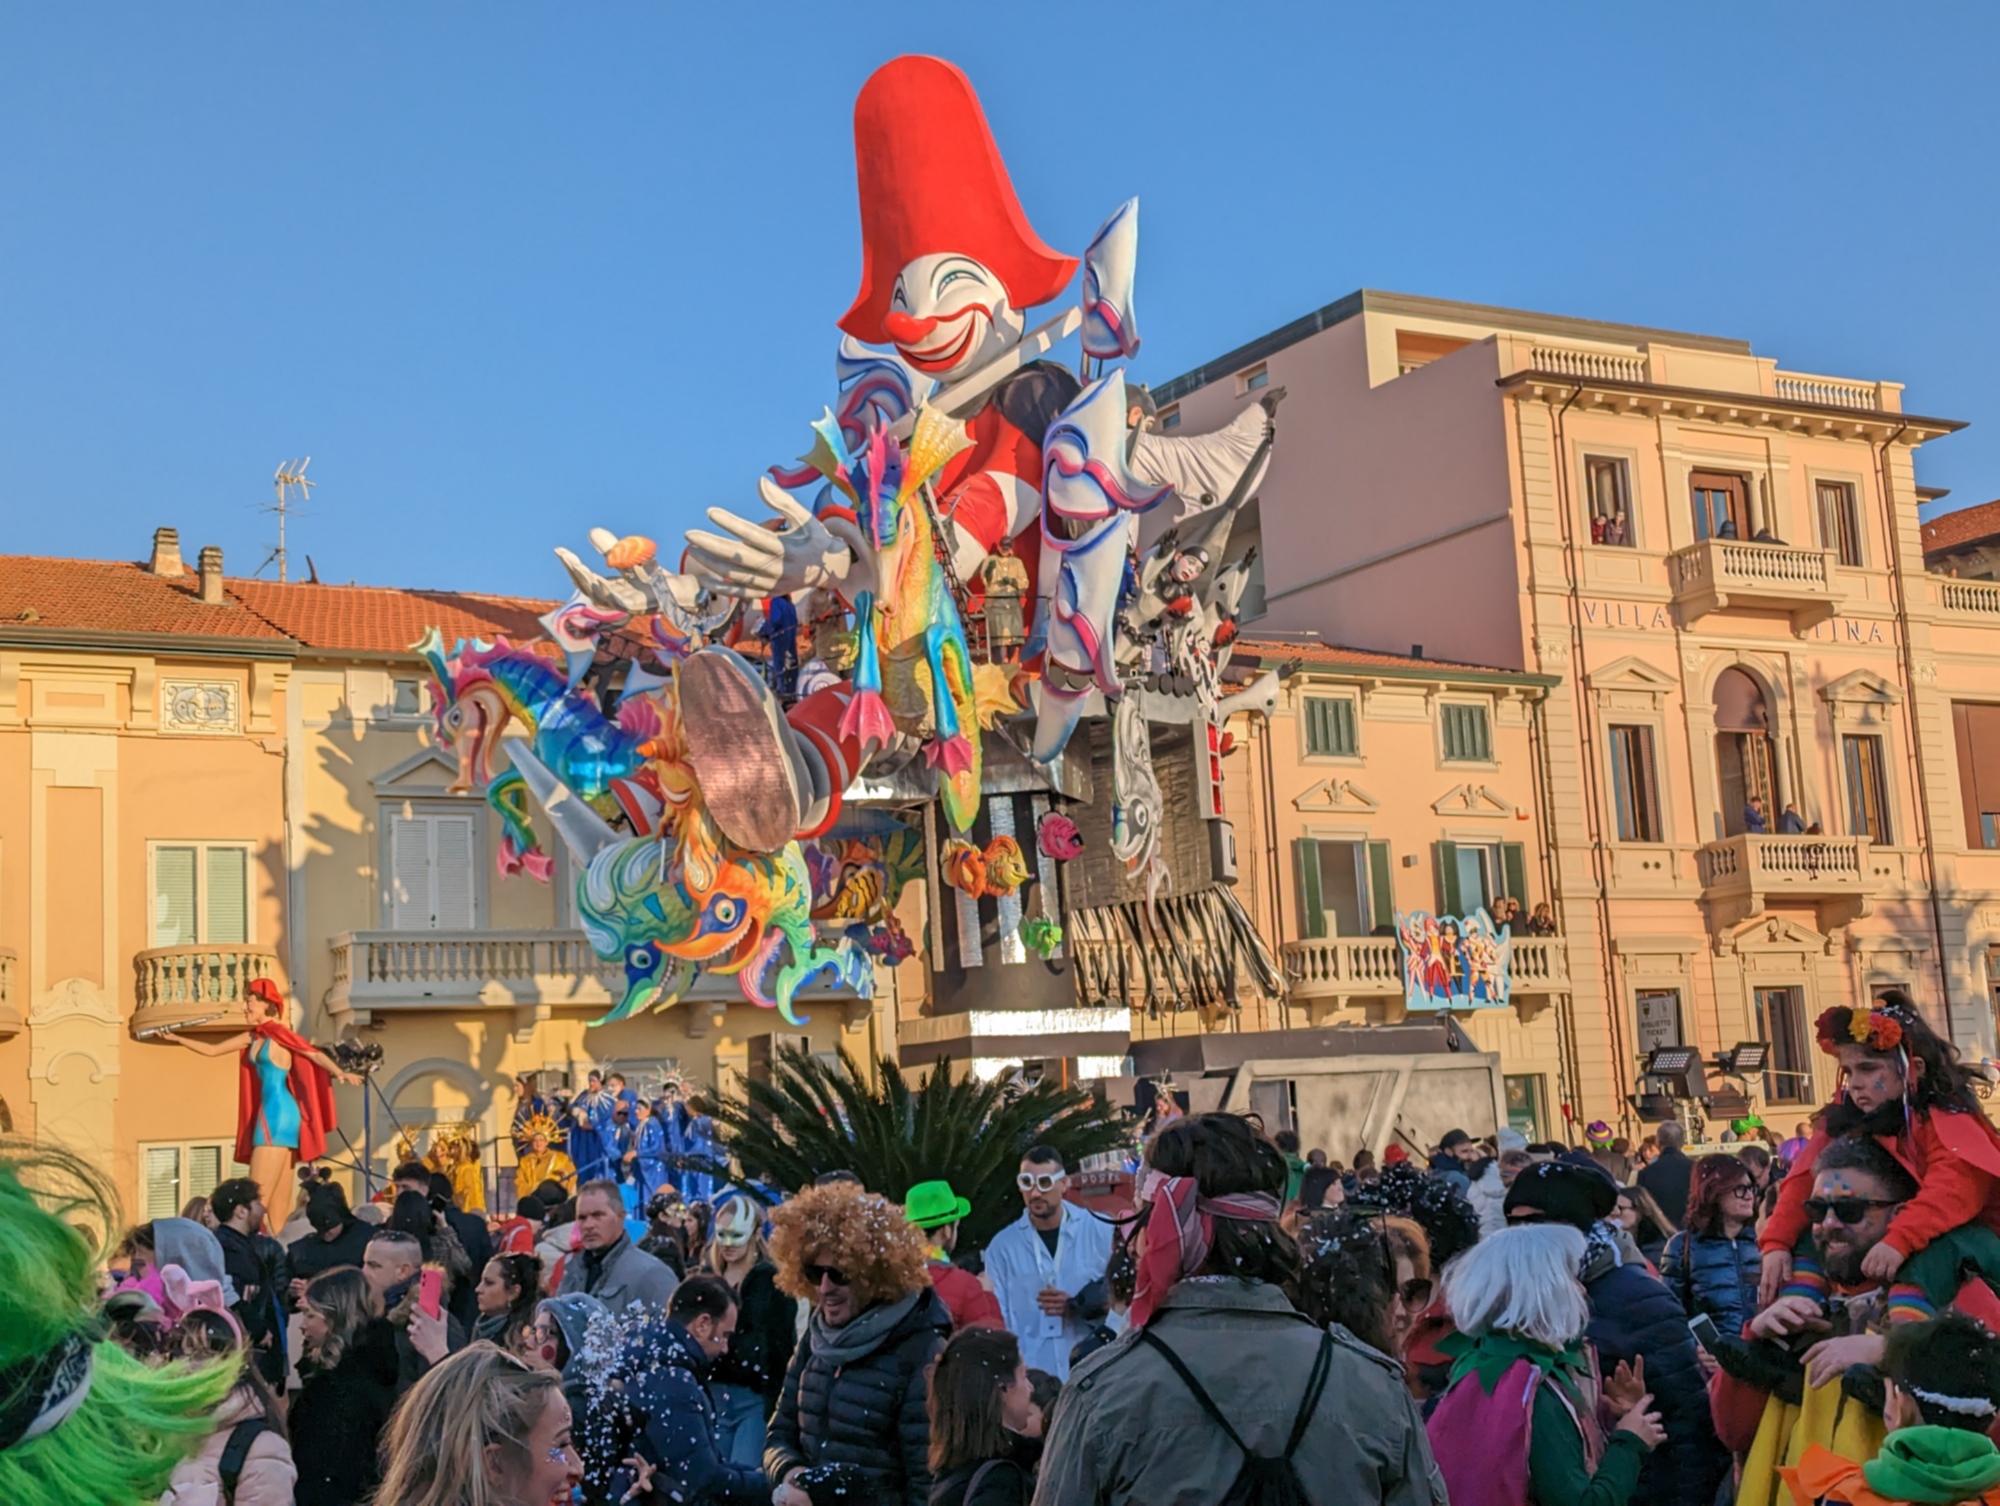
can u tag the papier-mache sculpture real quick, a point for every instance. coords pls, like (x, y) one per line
(692, 799)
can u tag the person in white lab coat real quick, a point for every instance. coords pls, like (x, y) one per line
(1047, 1267)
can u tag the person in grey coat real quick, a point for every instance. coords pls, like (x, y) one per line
(1129, 1428)
(608, 1266)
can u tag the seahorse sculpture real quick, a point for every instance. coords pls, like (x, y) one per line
(913, 670)
(482, 687)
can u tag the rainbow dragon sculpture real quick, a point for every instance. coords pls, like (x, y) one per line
(912, 659)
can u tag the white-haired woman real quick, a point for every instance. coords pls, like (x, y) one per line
(1518, 1422)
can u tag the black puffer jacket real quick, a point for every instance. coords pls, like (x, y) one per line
(856, 1395)
(1633, 1315)
(337, 1420)
(767, 1327)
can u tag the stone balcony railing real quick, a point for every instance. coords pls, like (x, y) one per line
(1827, 392)
(1978, 598)
(10, 1017)
(1591, 365)
(1720, 573)
(1741, 874)
(1339, 968)
(196, 987)
(529, 972)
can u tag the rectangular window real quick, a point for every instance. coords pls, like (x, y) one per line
(1524, 1105)
(1170, 418)
(431, 873)
(1465, 735)
(1414, 349)
(1634, 785)
(1720, 511)
(170, 1174)
(1839, 520)
(201, 893)
(1781, 1022)
(408, 698)
(1977, 730)
(1609, 483)
(1345, 888)
(1256, 379)
(1867, 787)
(1472, 875)
(1330, 727)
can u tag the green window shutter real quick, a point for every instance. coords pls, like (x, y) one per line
(173, 896)
(1345, 741)
(1381, 888)
(1447, 874)
(1514, 864)
(1330, 726)
(1312, 914)
(228, 895)
(162, 1188)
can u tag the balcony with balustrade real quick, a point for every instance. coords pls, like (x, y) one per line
(523, 975)
(196, 989)
(1718, 574)
(1977, 600)
(1330, 973)
(10, 1017)
(1740, 875)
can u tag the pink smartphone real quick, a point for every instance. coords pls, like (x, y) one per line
(430, 1289)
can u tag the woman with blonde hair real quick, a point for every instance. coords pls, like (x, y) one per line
(1518, 1423)
(482, 1428)
(744, 1382)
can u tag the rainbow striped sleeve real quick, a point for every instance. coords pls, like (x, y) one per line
(1807, 1279)
(1908, 1304)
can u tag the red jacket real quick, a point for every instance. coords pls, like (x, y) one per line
(1955, 1158)
(969, 1303)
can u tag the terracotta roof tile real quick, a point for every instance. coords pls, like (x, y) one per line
(386, 619)
(1967, 525)
(1338, 655)
(115, 596)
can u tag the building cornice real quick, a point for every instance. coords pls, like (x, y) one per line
(1748, 409)
(159, 645)
(1292, 666)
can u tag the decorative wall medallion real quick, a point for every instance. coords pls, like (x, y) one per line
(200, 706)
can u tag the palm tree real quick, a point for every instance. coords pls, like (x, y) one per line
(814, 1117)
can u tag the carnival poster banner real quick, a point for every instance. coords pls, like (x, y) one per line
(1454, 961)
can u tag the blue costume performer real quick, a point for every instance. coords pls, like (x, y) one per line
(649, 1146)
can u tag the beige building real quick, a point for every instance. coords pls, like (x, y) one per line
(205, 780)
(1718, 563)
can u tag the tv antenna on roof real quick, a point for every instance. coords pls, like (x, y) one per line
(289, 478)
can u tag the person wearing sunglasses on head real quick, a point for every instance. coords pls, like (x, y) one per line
(1047, 1267)
(853, 1412)
(1803, 1378)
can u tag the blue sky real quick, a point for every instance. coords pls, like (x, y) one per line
(506, 271)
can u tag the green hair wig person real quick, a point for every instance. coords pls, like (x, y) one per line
(80, 1419)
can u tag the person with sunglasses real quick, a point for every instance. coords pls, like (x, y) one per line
(1047, 1267)
(854, 1402)
(1713, 1265)
(1793, 1384)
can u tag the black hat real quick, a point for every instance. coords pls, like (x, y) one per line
(1564, 1193)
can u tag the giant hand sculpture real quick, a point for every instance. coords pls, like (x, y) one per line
(749, 559)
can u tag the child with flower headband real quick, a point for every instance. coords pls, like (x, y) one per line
(1903, 1085)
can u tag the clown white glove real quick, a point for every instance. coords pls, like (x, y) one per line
(752, 560)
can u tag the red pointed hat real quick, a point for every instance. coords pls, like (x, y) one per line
(931, 180)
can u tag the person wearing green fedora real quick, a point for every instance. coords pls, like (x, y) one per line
(934, 1208)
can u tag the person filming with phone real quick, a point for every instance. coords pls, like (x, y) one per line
(1807, 1370)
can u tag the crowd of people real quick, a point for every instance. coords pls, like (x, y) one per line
(1486, 1321)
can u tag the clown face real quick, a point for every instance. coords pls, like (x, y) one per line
(949, 315)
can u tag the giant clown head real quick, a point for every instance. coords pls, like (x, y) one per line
(949, 260)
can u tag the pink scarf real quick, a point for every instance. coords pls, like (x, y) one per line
(1180, 1229)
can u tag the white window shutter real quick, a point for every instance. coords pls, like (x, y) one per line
(162, 1181)
(453, 873)
(173, 896)
(410, 903)
(204, 1170)
(228, 897)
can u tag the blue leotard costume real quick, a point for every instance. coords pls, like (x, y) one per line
(277, 1118)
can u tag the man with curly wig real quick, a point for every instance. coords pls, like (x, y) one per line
(853, 1409)
(80, 1419)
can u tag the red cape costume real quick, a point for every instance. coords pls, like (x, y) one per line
(310, 1086)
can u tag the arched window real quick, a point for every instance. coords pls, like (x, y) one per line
(1743, 754)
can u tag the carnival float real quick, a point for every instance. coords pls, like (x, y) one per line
(944, 656)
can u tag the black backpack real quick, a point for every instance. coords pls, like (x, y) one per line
(237, 1450)
(1265, 1479)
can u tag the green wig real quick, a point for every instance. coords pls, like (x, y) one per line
(123, 1425)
